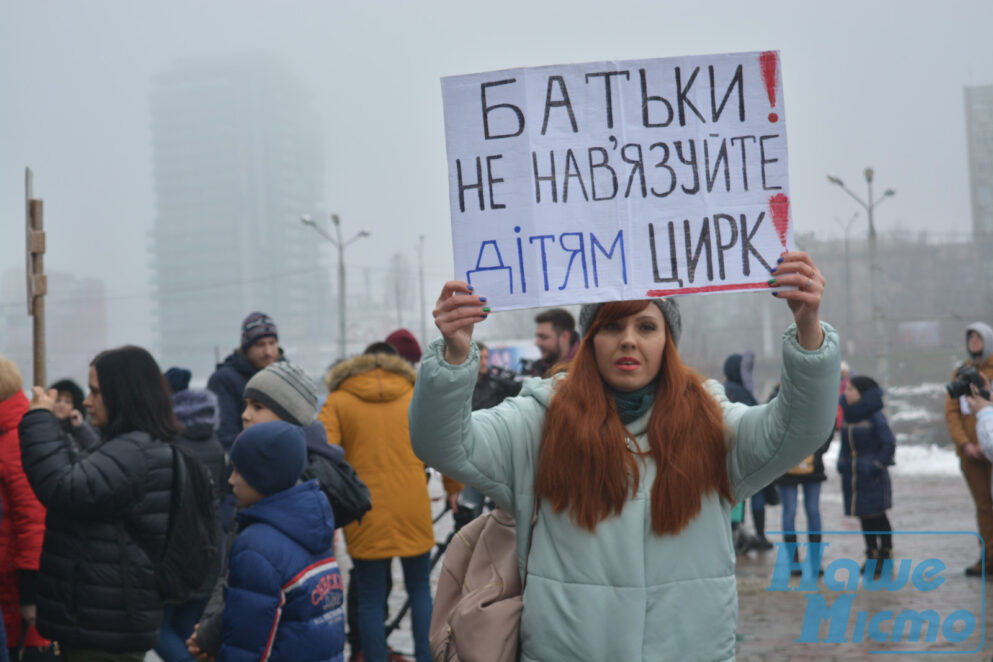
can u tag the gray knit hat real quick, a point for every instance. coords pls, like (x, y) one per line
(287, 390)
(668, 306)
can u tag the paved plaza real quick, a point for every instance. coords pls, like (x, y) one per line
(769, 622)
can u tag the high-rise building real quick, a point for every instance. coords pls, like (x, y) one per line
(238, 157)
(979, 143)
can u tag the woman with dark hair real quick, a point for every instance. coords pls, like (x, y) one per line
(130, 394)
(107, 509)
(632, 462)
(867, 448)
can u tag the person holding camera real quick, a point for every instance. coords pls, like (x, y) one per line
(961, 420)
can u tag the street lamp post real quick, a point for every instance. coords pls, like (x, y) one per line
(340, 244)
(878, 319)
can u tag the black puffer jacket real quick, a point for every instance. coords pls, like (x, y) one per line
(96, 586)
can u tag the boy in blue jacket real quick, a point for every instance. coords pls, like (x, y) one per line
(283, 598)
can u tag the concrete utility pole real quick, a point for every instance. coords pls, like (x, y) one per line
(340, 244)
(878, 318)
(36, 280)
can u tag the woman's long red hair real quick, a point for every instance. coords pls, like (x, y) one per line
(584, 465)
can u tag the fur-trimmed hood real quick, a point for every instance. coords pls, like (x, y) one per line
(386, 376)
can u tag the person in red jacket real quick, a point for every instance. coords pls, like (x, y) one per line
(22, 528)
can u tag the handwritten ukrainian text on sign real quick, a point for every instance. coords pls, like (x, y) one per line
(618, 180)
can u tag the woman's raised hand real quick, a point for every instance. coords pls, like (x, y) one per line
(798, 269)
(456, 313)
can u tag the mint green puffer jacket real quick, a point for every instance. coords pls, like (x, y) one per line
(622, 593)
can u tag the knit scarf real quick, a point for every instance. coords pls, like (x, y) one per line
(631, 405)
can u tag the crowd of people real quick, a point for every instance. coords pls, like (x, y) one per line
(621, 456)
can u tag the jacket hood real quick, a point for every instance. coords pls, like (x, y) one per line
(316, 436)
(194, 406)
(373, 377)
(740, 368)
(870, 402)
(986, 333)
(302, 513)
(12, 410)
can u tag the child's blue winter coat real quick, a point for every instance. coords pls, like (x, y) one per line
(284, 592)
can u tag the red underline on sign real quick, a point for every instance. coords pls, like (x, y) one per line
(709, 288)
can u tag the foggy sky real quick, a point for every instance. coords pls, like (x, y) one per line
(865, 83)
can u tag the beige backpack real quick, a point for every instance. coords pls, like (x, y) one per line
(477, 608)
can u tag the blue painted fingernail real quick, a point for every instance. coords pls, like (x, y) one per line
(779, 261)
(775, 294)
(471, 288)
(482, 299)
(773, 270)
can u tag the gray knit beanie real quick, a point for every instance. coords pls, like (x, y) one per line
(668, 306)
(287, 390)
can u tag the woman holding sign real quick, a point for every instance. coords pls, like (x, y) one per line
(635, 462)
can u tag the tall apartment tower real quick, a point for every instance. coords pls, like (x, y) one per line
(238, 157)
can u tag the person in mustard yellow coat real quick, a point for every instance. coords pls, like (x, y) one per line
(366, 413)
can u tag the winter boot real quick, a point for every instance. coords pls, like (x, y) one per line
(795, 570)
(814, 554)
(760, 543)
(884, 563)
(871, 554)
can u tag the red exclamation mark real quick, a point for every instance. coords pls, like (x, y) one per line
(767, 62)
(779, 207)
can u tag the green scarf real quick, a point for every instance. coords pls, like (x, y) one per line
(631, 405)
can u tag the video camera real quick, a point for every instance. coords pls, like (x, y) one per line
(965, 377)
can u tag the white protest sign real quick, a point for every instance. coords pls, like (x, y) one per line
(618, 180)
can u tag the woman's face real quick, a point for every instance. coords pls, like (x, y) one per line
(629, 350)
(94, 401)
(852, 394)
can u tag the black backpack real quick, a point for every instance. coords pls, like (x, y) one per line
(348, 495)
(191, 553)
